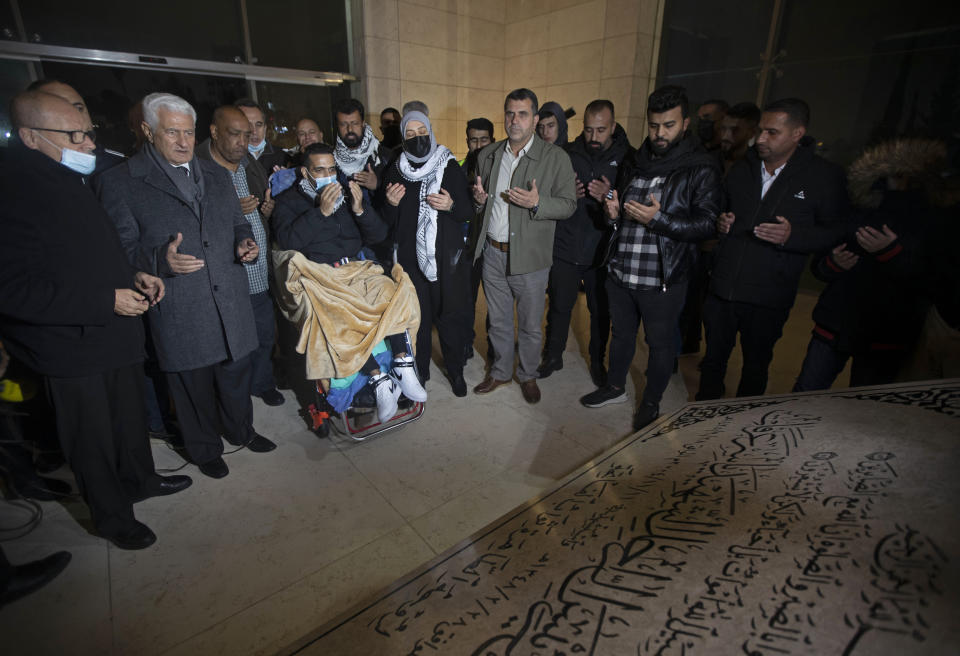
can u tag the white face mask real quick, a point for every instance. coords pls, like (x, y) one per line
(82, 163)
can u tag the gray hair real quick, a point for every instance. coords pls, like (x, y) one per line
(415, 106)
(153, 103)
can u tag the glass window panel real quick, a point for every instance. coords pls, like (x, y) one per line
(285, 104)
(305, 34)
(700, 37)
(14, 78)
(211, 29)
(110, 92)
(732, 86)
(8, 27)
(897, 73)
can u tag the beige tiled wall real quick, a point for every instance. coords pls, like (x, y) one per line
(462, 56)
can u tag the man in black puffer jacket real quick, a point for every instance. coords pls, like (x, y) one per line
(670, 190)
(782, 202)
(579, 242)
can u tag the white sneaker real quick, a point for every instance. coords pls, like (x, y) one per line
(404, 372)
(388, 393)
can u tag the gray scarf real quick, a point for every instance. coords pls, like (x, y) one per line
(190, 186)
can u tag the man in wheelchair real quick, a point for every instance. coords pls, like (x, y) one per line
(347, 310)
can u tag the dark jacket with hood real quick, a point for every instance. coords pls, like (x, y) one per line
(557, 111)
(582, 238)
(689, 201)
(299, 225)
(810, 193)
(878, 303)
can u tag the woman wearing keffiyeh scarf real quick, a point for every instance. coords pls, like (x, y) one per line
(424, 197)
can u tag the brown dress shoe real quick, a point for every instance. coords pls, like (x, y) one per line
(489, 384)
(531, 393)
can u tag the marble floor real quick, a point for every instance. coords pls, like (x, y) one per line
(817, 523)
(252, 563)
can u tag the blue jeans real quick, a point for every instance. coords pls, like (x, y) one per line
(821, 366)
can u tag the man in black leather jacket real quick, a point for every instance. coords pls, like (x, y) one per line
(667, 200)
(579, 243)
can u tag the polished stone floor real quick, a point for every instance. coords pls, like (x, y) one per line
(252, 563)
(795, 524)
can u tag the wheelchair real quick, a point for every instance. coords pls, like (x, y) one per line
(359, 421)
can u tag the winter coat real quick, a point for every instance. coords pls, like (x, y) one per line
(61, 263)
(810, 193)
(206, 316)
(582, 238)
(689, 202)
(299, 225)
(531, 233)
(454, 264)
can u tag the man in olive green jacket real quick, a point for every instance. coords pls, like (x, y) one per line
(523, 186)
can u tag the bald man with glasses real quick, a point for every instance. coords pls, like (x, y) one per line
(69, 309)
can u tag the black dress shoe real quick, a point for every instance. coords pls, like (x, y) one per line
(44, 489)
(164, 486)
(548, 366)
(259, 444)
(272, 397)
(134, 535)
(32, 576)
(459, 385)
(216, 468)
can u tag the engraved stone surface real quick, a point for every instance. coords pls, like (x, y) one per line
(821, 523)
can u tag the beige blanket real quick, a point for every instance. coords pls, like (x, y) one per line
(343, 312)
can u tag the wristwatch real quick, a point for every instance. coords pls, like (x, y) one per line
(533, 210)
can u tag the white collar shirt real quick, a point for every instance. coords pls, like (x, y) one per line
(499, 226)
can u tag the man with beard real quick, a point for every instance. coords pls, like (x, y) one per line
(357, 150)
(227, 146)
(579, 244)
(782, 202)
(670, 191)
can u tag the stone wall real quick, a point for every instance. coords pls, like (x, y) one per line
(461, 57)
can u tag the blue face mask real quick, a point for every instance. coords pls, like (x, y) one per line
(323, 182)
(256, 150)
(82, 163)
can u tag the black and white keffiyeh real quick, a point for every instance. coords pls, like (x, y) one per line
(430, 175)
(351, 161)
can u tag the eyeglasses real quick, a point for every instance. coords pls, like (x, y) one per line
(76, 136)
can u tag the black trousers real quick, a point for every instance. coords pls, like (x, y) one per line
(564, 286)
(102, 426)
(759, 328)
(659, 311)
(824, 362)
(691, 319)
(454, 325)
(211, 401)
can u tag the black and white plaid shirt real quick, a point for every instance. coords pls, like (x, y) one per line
(636, 261)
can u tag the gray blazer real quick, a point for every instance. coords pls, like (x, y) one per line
(206, 316)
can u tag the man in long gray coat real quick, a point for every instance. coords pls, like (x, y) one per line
(179, 218)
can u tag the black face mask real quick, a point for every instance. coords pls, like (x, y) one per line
(705, 130)
(418, 146)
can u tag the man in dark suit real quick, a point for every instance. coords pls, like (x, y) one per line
(69, 302)
(179, 218)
